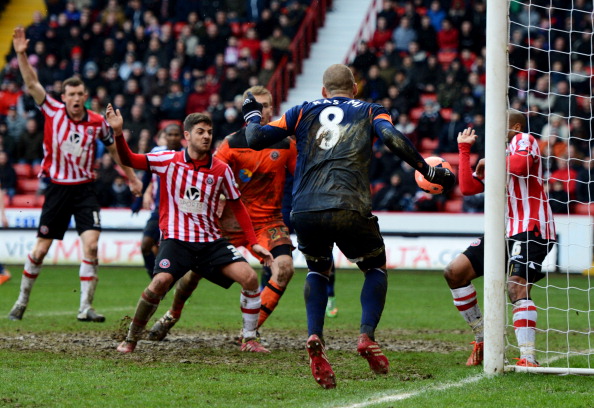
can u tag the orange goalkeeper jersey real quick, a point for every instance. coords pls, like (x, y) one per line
(260, 175)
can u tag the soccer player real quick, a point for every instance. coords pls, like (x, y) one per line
(151, 234)
(530, 232)
(191, 184)
(332, 200)
(261, 179)
(69, 151)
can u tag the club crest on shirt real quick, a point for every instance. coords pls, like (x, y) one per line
(44, 229)
(523, 144)
(245, 175)
(72, 144)
(210, 180)
(164, 264)
(476, 242)
(274, 155)
(190, 202)
(90, 131)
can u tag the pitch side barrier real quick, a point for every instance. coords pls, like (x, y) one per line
(424, 241)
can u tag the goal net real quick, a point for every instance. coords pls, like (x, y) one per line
(550, 64)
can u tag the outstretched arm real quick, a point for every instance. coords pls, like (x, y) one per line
(259, 137)
(469, 185)
(245, 222)
(124, 154)
(20, 44)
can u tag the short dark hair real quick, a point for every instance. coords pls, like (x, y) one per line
(194, 118)
(72, 81)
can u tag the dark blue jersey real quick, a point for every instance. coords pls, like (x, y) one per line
(334, 148)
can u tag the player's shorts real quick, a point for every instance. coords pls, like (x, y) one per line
(272, 235)
(177, 257)
(525, 255)
(151, 229)
(356, 235)
(64, 201)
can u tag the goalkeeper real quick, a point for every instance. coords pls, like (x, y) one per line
(332, 200)
(530, 232)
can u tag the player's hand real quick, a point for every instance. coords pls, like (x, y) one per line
(480, 169)
(115, 120)
(467, 136)
(442, 176)
(135, 187)
(264, 254)
(251, 109)
(19, 41)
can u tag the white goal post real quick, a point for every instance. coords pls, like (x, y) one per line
(564, 300)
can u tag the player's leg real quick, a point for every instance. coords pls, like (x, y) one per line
(265, 276)
(173, 261)
(459, 275)
(149, 243)
(312, 235)
(31, 271)
(88, 277)
(527, 252)
(331, 309)
(360, 240)
(250, 302)
(183, 290)
(4, 274)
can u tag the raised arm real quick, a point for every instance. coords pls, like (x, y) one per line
(259, 137)
(20, 44)
(124, 155)
(469, 185)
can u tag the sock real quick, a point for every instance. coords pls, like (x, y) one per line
(88, 283)
(149, 263)
(373, 299)
(270, 297)
(30, 273)
(525, 315)
(316, 298)
(466, 303)
(250, 309)
(266, 275)
(184, 289)
(146, 307)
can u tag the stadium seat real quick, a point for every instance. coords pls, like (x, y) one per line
(22, 170)
(453, 206)
(415, 114)
(36, 170)
(445, 58)
(25, 201)
(166, 122)
(446, 114)
(427, 97)
(452, 158)
(28, 185)
(428, 146)
(583, 208)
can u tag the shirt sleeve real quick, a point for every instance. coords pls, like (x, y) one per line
(469, 185)
(259, 137)
(292, 162)
(230, 188)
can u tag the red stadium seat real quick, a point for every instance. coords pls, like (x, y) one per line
(26, 201)
(427, 97)
(445, 58)
(36, 170)
(415, 114)
(583, 209)
(22, 170)
(166, 122)
(28, 185)
(453, 206)
(446, 114)
(428, 146)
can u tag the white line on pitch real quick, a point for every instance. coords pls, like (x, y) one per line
(406, 395)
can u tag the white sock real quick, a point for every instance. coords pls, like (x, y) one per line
(88, 283)
(525, 315)
(30, 273)
(467, 304)
(250, 310)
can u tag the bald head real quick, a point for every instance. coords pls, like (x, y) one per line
(338, 79)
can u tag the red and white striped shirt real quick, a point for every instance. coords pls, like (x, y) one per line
(69, 146)
(528, 206)
(190, 195)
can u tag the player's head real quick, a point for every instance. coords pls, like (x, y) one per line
(516, 124)
(173, 136)
(263, 96)
(198, 132)
(338, 80)
(74, 96)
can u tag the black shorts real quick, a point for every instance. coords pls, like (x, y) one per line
(151, 229)
(64, 201)
(524, 256)
(177, 257)
(356, 235)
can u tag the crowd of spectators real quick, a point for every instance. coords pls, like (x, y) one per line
(157, 60)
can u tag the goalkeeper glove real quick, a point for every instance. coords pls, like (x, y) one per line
(442, 176)
(251, 109)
